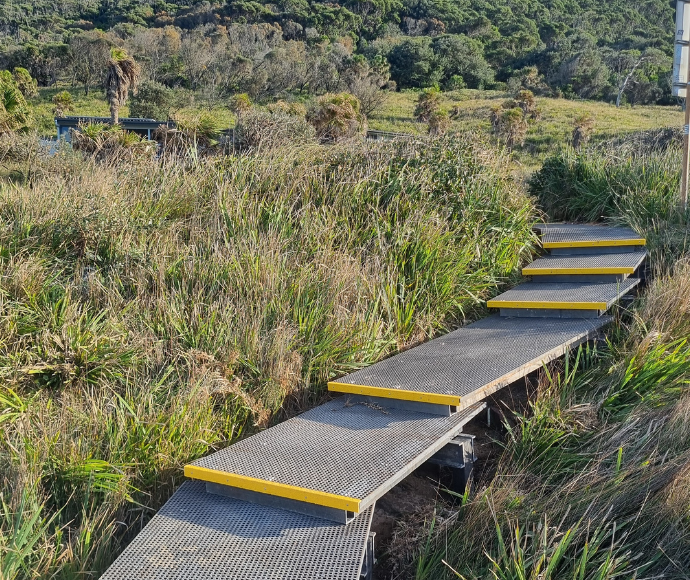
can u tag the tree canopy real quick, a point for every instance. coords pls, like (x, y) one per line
(579, 48)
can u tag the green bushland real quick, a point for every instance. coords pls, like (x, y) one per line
(154, 310)
(577, 48)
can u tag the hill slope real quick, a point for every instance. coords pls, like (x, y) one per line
(579, 47)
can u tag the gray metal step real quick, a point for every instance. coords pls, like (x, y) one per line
(342, 455)
(201, 536)
(585, 269)
(469, 364)
(566, 300)
(583, 236)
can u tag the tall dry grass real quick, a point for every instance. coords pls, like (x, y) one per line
(154, 310)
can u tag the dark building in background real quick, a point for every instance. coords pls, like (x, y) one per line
(144, 127)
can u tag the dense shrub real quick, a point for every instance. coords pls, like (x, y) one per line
(199, 133)
(336, 117)
(277, 128)
(15, 113)
(153, 101)
(63, 103)
(595, 184)
(111, 143)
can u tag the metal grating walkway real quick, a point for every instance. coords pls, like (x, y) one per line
(570, 296)
(589, 264)
(471, 362)
(201, 536)
(586, 236)
(343, 454)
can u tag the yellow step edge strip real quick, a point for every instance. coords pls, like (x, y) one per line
(399, 394)
(272, 488)
(595, 243)
(544, 271)
(547, 305)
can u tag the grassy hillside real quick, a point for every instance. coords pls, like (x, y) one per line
(553, 129)
(152, 312)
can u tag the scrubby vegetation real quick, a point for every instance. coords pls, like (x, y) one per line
(162, 299)
(152, 310)
(593, 480)
(577, 48)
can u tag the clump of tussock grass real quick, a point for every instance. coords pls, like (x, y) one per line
(622, 184)
(595, 184)
(594, 481)
(152, 311)
(111, 143)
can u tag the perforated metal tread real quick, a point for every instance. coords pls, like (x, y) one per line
(593, 264)
(340, 455)
(586, 235)
(472, 362)
(571, 296)
(201, 536)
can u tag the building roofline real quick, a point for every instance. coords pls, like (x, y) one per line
(75, 120)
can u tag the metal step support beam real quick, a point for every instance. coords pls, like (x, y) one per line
(459, 457)
(369, 559)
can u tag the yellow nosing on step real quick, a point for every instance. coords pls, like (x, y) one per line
(399, 394)
(547, 305)
(595, 243)
(575, 271)
(272, 488)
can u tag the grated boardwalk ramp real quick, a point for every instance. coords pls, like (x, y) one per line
(571, 296)
(344, 454)
(201, 536)
(471, 362)
(623, 264)
(296, 501)
(555, 236)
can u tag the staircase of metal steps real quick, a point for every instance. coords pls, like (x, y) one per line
(296, 501)
(587, 271)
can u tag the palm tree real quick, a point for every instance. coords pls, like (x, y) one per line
(123, 75)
